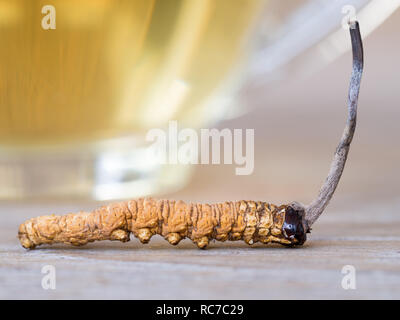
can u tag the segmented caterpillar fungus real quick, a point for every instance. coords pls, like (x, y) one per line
(174, 220)
(243, 220)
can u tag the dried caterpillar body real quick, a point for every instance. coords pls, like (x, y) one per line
(250, 221)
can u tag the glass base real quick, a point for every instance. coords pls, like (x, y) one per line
(115, 169)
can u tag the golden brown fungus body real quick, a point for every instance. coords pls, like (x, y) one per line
(174, 220)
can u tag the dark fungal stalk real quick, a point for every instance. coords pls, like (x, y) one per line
(315, 209)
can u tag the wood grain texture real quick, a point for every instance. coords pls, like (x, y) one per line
(363, 236)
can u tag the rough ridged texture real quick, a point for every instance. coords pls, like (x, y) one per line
(174, 220)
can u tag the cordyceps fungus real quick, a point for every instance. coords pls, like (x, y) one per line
(251, 221)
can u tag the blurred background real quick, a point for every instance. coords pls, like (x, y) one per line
(78, 100)
(290, 87)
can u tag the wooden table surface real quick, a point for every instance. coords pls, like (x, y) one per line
(353, 236)
(297, 127)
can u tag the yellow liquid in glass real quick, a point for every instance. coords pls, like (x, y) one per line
(113, 67)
